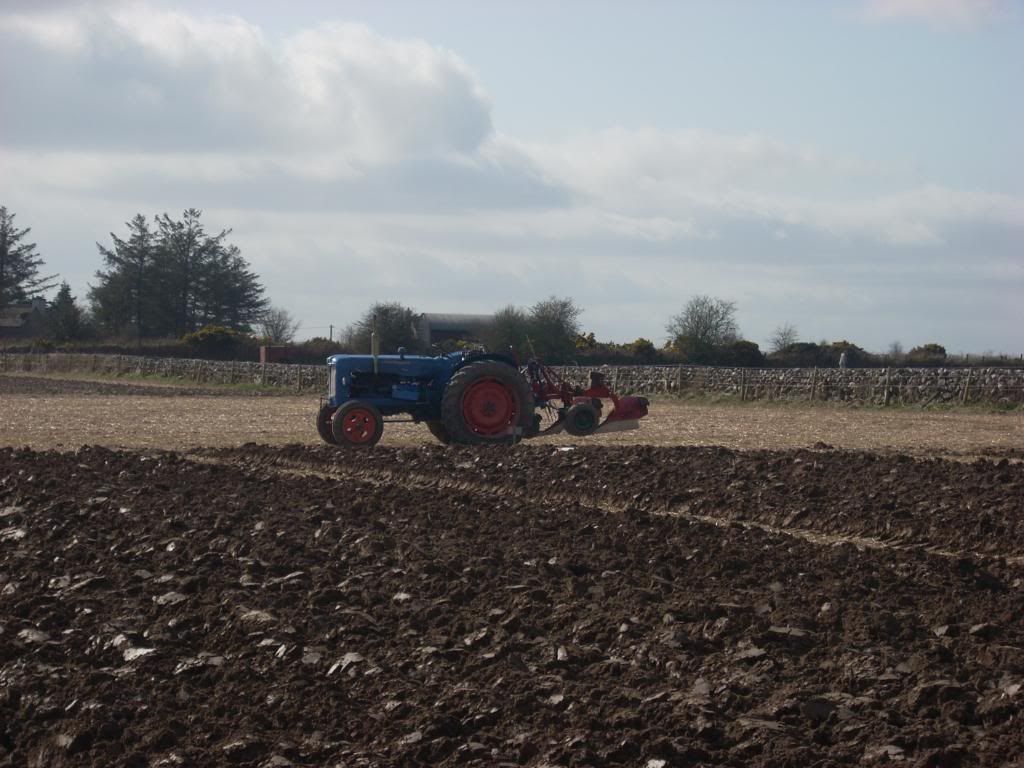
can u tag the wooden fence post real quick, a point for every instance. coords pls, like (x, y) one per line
(814, 382)
(885, 394)
(967, 387)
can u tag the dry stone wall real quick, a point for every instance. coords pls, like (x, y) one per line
(301, 378)
(867, 386)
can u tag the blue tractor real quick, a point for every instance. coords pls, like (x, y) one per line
(469, 398)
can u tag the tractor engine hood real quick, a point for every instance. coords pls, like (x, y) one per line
(417, 366)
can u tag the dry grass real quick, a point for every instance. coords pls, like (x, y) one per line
(186, 422)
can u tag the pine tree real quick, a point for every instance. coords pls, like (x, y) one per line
(121, 300)
(64, 318)
(19, 264)
(229, 293)
(175, 280)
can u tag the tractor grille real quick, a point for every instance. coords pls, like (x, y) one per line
(331, 385)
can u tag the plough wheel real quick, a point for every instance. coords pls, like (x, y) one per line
(487, 402)
(582, 419)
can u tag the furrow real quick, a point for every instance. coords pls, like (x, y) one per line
(376, 476)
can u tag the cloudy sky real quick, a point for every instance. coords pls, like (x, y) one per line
(854, 168)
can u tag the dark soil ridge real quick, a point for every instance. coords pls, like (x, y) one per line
(48, 386)
(377, 476)
(949, 508)
(159, 612)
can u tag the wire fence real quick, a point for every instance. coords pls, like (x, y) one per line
(869, 386)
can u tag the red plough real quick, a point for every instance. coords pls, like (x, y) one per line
(578, 411)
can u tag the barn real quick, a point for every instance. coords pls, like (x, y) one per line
(435, 327)
(22, 321)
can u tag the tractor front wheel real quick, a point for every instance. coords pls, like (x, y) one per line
(487, 402)
(357, 424)
(323, 424)
(438, 430)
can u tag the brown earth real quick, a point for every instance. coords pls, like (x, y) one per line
(159, 611)
(543, 605)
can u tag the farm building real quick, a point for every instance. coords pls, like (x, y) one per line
(434, 327)
(22, 321)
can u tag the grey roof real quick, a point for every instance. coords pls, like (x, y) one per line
(15, 315)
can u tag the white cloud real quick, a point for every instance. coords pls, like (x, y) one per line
(704, 182)
(958, 12)
(137, 76)
(339, 151)
(159, 107)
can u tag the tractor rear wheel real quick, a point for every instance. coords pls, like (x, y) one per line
(357, 424)
(438, 430)
(323, 424)
(487, 402)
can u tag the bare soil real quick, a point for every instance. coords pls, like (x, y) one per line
(266, 606)
(158, 611)
(49, 413)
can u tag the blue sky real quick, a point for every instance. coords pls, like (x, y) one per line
(853, 168)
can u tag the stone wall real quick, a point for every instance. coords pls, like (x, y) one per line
(867, 386)
(301, 378)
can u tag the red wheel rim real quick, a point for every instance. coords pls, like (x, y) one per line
(358, 425)
(489, 408)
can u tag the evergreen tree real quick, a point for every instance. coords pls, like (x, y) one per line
(64, 318)
(188, 256)
(19, 264)
(175, 280)
(227, 292)
(123, 298)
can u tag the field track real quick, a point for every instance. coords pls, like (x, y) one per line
(53, 413)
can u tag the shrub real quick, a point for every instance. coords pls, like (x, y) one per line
(927, 355)
(216, 341)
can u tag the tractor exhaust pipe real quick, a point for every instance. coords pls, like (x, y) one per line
(375, 345)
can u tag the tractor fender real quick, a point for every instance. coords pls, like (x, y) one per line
(469, 360)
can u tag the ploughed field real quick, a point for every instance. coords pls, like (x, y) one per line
(539, 605)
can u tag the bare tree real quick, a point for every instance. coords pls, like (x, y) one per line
(509, 331)
(705, 323)
(786, 335)
(896, 353)
(396, 327)
(553, 325)
(278, 326)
